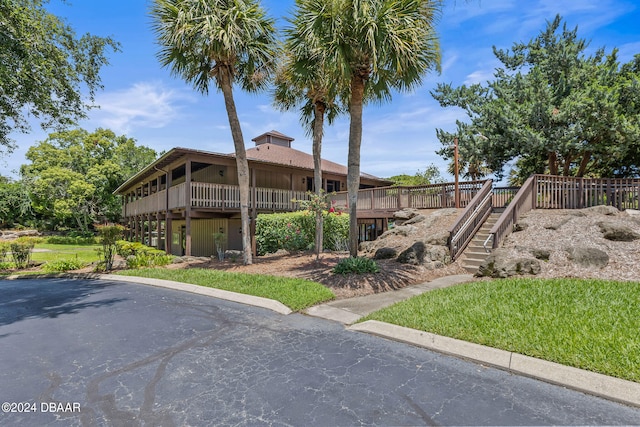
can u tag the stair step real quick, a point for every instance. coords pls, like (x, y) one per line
(471, 262)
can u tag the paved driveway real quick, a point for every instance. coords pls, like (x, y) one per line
(104, 353)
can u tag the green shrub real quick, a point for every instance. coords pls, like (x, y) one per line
(62, 265)
(358, 265)
(6, 266)
(138, 255)
(71, 240)
(150, 258)
(296, 231)
(21, 251)
(126, 249)
(4, 248)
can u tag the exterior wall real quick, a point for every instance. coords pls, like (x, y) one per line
(211, 175)
(202, 231)
(269, 179)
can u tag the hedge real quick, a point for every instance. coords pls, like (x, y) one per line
(295, 231)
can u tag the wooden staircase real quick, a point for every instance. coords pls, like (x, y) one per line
(474, 254)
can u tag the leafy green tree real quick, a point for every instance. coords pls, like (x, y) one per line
(72, 175)
(304, 81)
(43, 68)
(375, 46)
(15, 205)
(552, 109)
(431, 175)
(226, 42)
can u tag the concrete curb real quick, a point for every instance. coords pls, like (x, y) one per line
(627, 392)
(267, 303)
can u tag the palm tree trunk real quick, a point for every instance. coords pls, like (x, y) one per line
(353, 160)
(318, 125)
(224, 79)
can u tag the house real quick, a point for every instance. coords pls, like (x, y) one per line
(180, 201)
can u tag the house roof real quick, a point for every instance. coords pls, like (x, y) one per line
(277, 154)
(263, 154)
(273, 133)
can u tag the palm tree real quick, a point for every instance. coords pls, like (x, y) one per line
(304, 81)
(227, 42)
(375, 46)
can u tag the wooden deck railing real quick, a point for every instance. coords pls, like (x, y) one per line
(520, 204)
(432, 196)
(470, 220)
(215, 196)
(561, 192)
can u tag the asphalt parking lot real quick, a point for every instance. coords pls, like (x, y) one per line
(87, 352)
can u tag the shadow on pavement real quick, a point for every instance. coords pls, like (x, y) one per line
(42, 298)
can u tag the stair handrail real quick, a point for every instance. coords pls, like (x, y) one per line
(470, 220)
(522, 202)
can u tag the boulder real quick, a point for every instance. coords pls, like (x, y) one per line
(401, 230)
(385, 253)
(432, 256)
(520, 226)
(438, 239)
(588, 257)
(632, 213)
(562, 221)
(437, 254)
(602, 210)
(617, 232)
(416, 219)
(413, 255)
(501, 264)
(541, 254)
(405, 214)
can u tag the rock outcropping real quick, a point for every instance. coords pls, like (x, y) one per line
(419, 237)
(597, 242)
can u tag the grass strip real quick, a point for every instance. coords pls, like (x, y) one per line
(83, 253)
(297, 294)
(588, 324)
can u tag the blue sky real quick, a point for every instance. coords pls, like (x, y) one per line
(141, 100)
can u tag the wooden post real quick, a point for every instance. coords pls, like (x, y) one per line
(187, 209)
(158, 229)
(254, 213)
(149, 228)
(457, 184)
(167, 215)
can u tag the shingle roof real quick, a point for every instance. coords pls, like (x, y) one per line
(280, 155)
(273, 133)
(264, 153)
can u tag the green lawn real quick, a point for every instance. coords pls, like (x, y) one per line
(588, 324)
(84, 253)
(296, 294)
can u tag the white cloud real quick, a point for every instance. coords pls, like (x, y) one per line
(479, 76)
(142, 105)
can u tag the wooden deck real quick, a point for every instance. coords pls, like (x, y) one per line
(215, 197)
